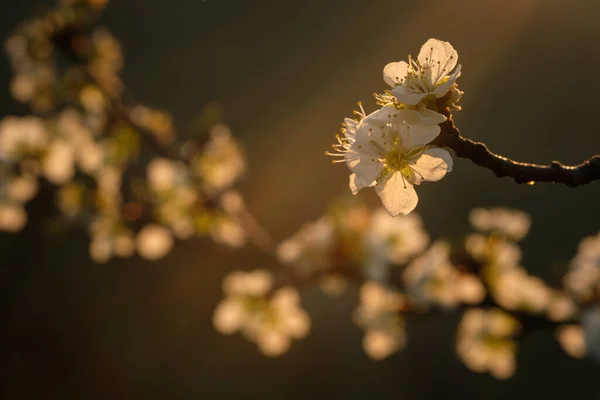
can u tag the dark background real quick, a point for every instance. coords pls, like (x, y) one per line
(287, 72)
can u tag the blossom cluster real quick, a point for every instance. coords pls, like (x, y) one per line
(270, 318)
(402, 275)
(88, 147)
(392, 148)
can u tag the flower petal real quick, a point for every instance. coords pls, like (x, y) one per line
(406, 96)
(442, 89)
(417, 135)
(382, 116)
(440, 56)
(395, 72)
(397, 195)
(432, 165)
(427, 117)
(357, 183)
(351, 126)
(362, 158)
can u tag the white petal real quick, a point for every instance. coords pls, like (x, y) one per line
(427, 117)
(397, 195)
(362, 158)
(432, 165)
(357, 183)
(441, 90)
(381, 117)
(406, 96)
(395, 72)
(351, 126)
(440, 56)
(418, 134)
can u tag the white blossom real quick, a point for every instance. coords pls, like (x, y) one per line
(109, 238)
(26, 136)
(496, 251)
(561, 307)
(399, 239)
(222, 161)
(515, 289)
(428, 77)
(513, 224)
(432, 278)
(154, 242)
(271, 322)
(164, 174)
(22, 188)
(572, 340)
(310, 249)
(225, 230)
(583, 277)
(58, 165)
(379, 316)
(13, 216)
(390, 152)
(485, 342)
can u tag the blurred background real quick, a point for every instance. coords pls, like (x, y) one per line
(287, 73)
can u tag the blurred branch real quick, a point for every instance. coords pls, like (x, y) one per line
(581, 174)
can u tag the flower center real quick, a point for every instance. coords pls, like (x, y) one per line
(425, 77)
(396, 159)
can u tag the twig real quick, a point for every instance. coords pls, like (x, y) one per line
(584, 173)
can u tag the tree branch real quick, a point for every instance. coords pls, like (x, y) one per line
(586, 172)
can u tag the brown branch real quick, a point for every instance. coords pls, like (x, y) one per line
(586, 172)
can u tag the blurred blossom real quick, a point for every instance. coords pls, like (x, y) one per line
(350, 236)
(493, 250)
(232, 202)
(255, 283)
(22, 188)
(58, 164)
(572, 340)
(485, 342)
(269, 321)
(561, 307)
(164, 174)
(22, 137)
(515, 289)
(13, 217)
(158, 123)
(14, 192)
(583, 277)
(154, 242)
(22, 88)
(90, 155)
(90, 141)
(310, 249)
(227, 231)
(399, 238)
(107, 61)
(92, 99)
(432, 278)
(222, 161)
(513, 224)
(110, 238)
(379, 316)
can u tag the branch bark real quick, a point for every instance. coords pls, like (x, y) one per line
(584, 173)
